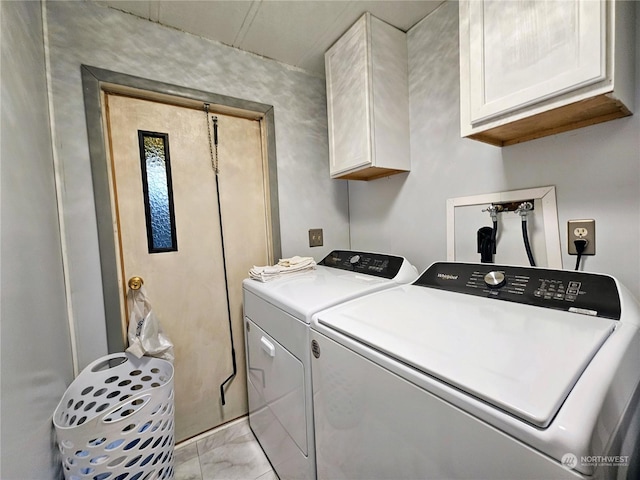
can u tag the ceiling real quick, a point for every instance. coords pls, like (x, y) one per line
(295, 32)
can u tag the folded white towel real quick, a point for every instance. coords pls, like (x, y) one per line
(285, 266)
(264, 273)
(294, 261)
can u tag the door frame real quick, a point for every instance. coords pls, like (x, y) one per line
(95, 81)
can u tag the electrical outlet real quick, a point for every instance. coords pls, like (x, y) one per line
(315, 237)
(581, 229)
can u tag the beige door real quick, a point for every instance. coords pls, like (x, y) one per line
(186, 287)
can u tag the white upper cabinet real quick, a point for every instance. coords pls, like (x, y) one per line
(368, 101)
(532, 68)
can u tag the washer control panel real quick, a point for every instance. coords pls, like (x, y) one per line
(377, 264)
(579, 292)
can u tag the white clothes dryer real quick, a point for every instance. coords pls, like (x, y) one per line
(479, 371)
(277, 315)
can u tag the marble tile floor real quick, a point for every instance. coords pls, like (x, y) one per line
(230, 452)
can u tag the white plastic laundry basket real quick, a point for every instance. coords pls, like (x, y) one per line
(115, 421)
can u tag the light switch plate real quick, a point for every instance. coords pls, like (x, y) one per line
(315, 237)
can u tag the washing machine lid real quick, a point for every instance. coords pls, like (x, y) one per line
(341, 276)
(520, 358)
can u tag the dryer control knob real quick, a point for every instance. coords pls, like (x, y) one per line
(354, 260)
(495, 279)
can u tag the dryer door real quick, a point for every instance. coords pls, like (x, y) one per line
(277, 378)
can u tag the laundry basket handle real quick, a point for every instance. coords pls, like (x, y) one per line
(107, 362)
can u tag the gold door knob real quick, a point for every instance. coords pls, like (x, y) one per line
(135, 283)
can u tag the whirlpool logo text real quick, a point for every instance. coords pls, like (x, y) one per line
(446, 276)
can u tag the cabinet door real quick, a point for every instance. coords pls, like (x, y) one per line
(523, 52)
(348, 87)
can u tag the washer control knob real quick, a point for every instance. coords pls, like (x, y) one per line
(354, 260)
(495, 279)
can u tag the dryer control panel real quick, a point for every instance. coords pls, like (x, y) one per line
(579, 292)
(377, 264)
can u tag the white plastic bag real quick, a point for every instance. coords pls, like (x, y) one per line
(145, 333)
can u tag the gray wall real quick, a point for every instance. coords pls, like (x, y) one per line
(83, 33)
(35, 361)
(596, 170)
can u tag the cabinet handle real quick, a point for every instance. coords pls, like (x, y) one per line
(268, 347)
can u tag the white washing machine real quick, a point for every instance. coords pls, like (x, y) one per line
(277, 315)
(480, 371)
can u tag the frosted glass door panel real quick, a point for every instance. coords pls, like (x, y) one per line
(348, 80)
(526, 51)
